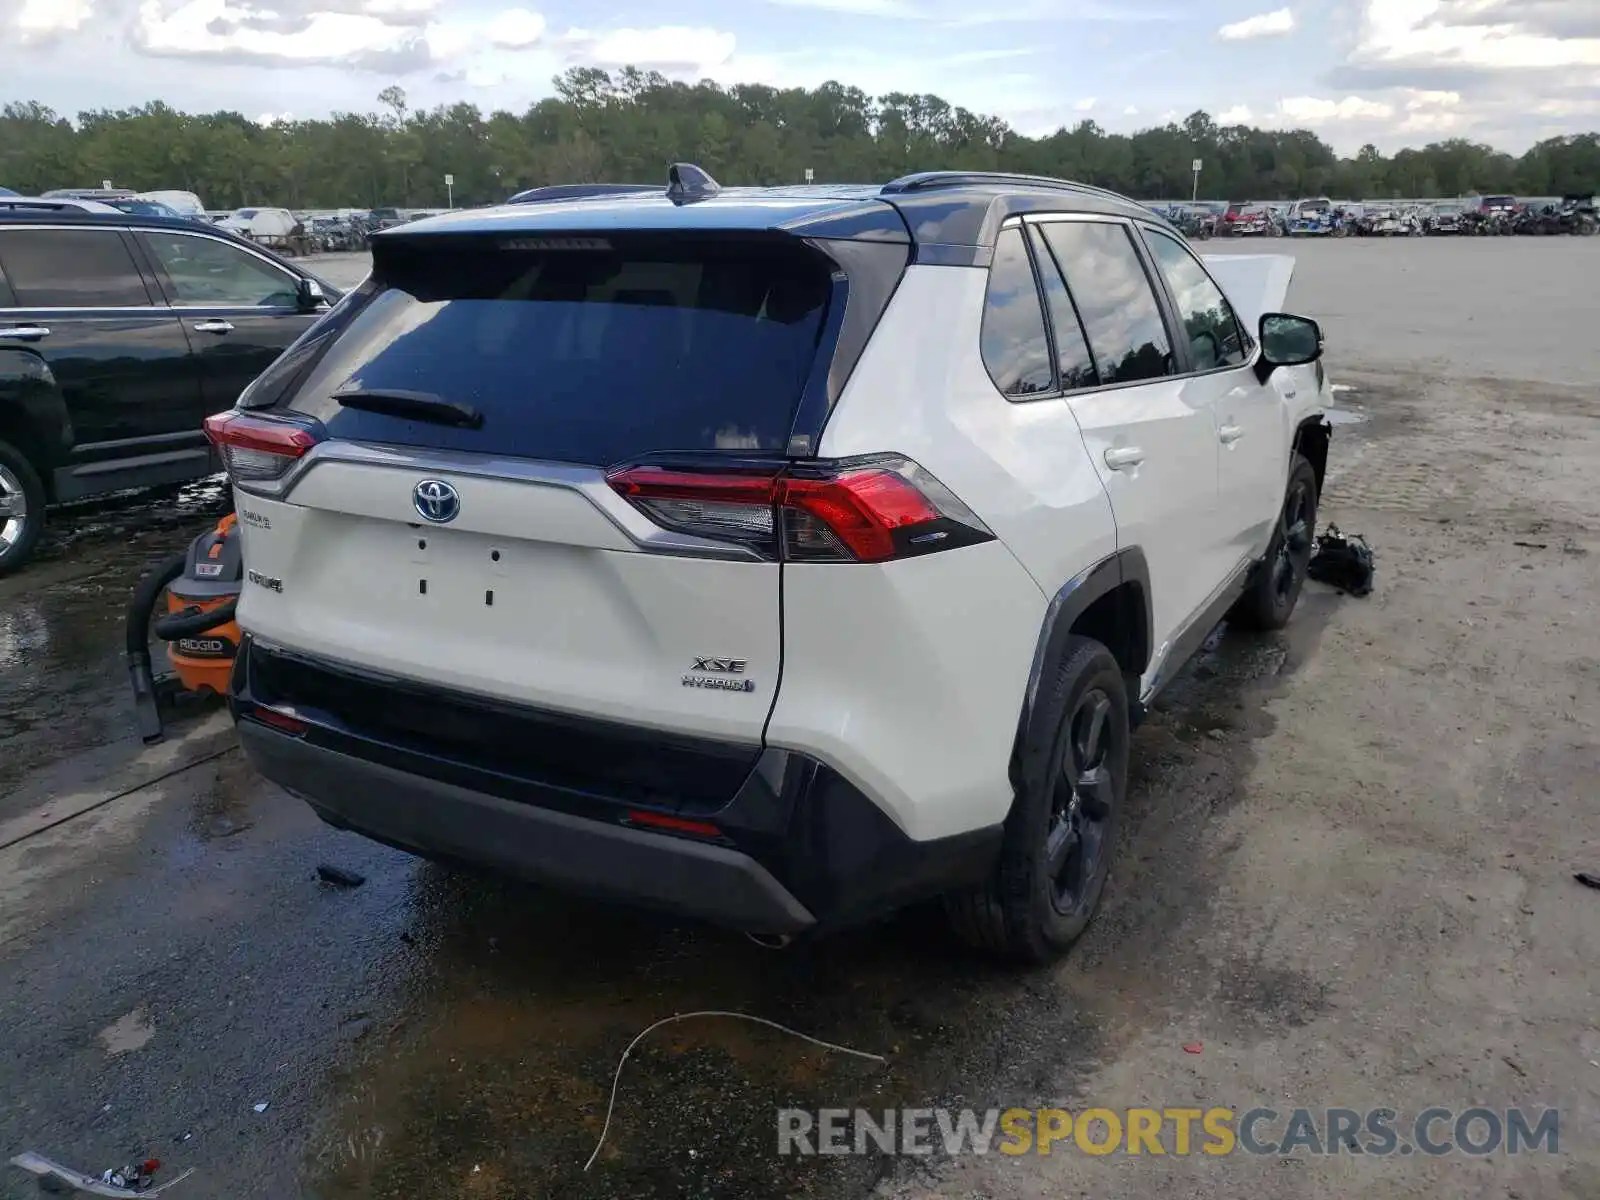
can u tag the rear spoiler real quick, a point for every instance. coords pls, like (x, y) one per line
(1254, 283)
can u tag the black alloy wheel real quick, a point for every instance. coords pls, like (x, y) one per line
(1082, 802)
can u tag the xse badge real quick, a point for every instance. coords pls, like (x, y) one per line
(719, 674)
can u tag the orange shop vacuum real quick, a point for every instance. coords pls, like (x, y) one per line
(201, 588)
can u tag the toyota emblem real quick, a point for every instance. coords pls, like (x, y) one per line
(436, 501)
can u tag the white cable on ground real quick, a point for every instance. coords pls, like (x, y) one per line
(616, 1080)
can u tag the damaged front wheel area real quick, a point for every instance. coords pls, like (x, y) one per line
(1274, 588)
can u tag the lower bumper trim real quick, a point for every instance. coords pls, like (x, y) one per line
(611, 862)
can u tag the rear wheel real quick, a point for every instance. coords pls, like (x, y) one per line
(21, 508)
(1061, 835)
(1270, 599)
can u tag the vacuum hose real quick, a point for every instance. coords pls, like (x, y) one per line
(194, 620)
(140, 611)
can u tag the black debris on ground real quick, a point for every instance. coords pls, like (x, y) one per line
(338, 876)
(1343, 561)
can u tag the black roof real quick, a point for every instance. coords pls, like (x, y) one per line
(120, 220)
(42, 213)
(950, 216)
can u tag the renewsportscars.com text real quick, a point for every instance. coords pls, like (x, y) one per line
(1175, 1131)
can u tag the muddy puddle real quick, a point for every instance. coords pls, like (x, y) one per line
(495, 1082)
(63, 685)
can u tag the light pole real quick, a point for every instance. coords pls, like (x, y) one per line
(1195, 194)
(449, 191)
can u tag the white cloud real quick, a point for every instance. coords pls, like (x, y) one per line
(40, 19)
(1433, 33)
(1131, 111)
(1085, 105)
(1272, 24)
(1239, 114)
(399, 8)
(666, 48)
(1313, 110)
(899, 9)
(515, 28)
(450, 39)
(218, 27)
(484, 77)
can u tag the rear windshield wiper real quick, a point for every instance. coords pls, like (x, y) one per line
(412, 406)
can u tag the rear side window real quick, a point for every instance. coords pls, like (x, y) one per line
(1215, 339)
(71, 268)
(1119, 310)
(1016, 349)
(1074, 363)
(590, 355)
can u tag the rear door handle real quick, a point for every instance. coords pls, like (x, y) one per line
(1230, 434)
(24, 333)
(1120, 457)
(212, 327)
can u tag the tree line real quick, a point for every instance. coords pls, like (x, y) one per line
(628, 125)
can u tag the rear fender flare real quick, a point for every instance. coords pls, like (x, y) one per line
(33, 412)
(1126, 566)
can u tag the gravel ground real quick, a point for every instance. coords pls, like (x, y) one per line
(1347, 874)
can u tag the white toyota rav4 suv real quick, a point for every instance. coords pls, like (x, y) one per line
(774, 557)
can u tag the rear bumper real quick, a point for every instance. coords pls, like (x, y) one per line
(611, 862)
(793, 846)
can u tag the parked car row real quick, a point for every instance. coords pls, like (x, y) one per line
(1323, 217)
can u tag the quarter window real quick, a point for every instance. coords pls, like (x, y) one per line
(1016, 349)
(1215, 339)
(71, 268)
(204, 271)
(1119, 310)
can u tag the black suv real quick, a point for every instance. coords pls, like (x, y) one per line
(119, 334)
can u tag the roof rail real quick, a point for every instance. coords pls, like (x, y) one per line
(66, 207)
(923, 181)
(578, 191)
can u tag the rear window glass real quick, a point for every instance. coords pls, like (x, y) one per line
(71, 268)
(582, 355)
(1114, 298)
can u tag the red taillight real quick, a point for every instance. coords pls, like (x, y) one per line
(282, 722)
(255, 448)
(673, 824)
(863, 511)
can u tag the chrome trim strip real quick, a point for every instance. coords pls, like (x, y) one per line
(588, 482)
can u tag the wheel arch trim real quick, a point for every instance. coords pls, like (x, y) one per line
(1070, 602)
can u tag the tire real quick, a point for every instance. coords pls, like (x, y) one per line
(1269, 600)
(19, 488)
(1026, 912)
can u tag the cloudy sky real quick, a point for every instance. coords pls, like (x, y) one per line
(1395, 72)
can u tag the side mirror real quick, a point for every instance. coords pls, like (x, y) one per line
(312, 297)
(1289, 341)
